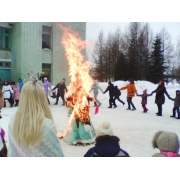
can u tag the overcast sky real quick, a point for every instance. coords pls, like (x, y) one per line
(93, 29)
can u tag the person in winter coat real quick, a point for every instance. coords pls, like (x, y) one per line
(16, 91)
(160, 99)
(110, 88)
(46, 85)
(31, 131)
(176, 105)
(7, 91)
(61, 88)
(144, 99)
(117, 94)
(167, 143)
(107, 145)
(95, 91)
(131, 91)
(3, 148)
(20, 83)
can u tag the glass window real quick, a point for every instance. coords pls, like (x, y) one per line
(0, 41)
(6, 31)
(4, 38)
(46, 37)
(6, 42)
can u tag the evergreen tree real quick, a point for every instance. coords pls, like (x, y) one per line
(156, 62)
(121, 68)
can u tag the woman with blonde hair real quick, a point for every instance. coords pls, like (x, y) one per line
(32, 132)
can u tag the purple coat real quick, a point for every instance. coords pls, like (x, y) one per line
(46, 85)
(16, 91)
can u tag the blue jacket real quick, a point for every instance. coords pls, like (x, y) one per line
(20, 84)
(106, 146)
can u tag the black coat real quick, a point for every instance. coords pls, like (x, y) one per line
(160, 91)
(60, 89)
(117, 92)
(106, 146)
(110, 88)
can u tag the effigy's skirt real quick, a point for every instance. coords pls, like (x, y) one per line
(80, 133)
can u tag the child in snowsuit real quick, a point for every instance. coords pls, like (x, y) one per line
(117, 94)
(16, 91)
(167, 143)
(107, 144)
(176, 105)
(144, 99)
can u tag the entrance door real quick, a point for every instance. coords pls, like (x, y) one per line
(46, 69)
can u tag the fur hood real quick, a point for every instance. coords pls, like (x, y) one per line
(166, 141)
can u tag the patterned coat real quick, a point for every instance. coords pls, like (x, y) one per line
(48, 147)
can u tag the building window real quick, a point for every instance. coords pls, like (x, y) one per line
(5, 64)
(46, 37)
(4, 38)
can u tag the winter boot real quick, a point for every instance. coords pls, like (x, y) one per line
(133, 109)
(4, 103)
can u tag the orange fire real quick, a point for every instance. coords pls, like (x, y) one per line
(79, 73)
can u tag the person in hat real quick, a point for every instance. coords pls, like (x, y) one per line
(131, 91)
(160, 98)
(144, 99)
(7, 91)
(107, 145)
(176, 105)
(110, 88)
(95, 89)
(46, 85)
(167, 143)
(117, 94)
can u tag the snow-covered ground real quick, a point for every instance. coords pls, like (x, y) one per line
(134, 128)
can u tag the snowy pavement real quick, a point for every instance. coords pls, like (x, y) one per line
(134, 128)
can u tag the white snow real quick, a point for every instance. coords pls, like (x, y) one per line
(134, 128)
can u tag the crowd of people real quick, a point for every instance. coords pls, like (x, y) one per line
(32, 132)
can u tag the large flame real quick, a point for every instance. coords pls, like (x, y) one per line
(79, 73)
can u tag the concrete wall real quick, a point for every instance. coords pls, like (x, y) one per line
(16, 52)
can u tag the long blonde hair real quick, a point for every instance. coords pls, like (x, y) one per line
(29, 118)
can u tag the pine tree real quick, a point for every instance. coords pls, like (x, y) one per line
(156, 62)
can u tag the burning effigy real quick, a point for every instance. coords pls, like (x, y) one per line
(80, 128)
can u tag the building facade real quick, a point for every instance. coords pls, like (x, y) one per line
(34, 46)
